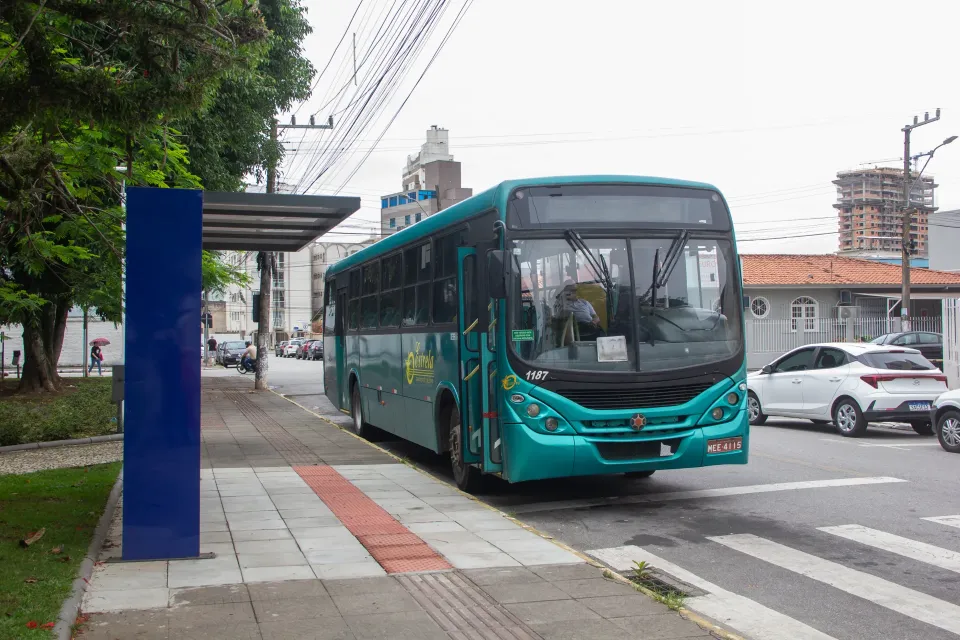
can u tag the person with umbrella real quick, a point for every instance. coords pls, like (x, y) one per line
(96, 355)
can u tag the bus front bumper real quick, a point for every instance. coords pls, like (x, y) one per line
(534, 456)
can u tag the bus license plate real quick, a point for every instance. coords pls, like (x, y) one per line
(724, 445)
(919, 406)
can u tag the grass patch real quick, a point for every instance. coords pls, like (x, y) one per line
(34, 581)
(644, 576)
(81, 410)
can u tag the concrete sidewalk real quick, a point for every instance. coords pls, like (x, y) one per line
(318, 534)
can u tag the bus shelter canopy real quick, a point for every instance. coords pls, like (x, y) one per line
(239, 221)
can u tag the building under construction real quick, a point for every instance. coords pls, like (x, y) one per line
(870, 211)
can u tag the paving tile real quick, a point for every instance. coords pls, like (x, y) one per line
(138, 625)
(539, 591)
(234, 631)
(330, 628)
(375, 603)
(362, 586)
(204, 573)
(406, 624)
(503, 575)
(344, 540)
(211, 615)
(660, 627)
(273, 559)
(303, 608)
(503, 535)
(480, 560)
(266, 546)
(579, 629)
(551, 611)
(213, 537)
(107, 601)
(365, 569)
(594, 587)
(207, 527)
(567, 571)
(255, 525)
(261, 534)
(314, 511)
(527, 545)
(209, 595)
(249, 516)
(218, 548)
(444, 526)
(294, 589)
(301, 523)
(247, 503)
(546, 556)
(623, 606)
(272, 574)
(337, 555)
(133, 575)
(431, 515)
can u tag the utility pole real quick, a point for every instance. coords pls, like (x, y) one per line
(267, 260)
(907, 215)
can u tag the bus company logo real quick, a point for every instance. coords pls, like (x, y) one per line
(638, 422)
(419, 366)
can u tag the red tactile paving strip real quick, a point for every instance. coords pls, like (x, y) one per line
(390, 543)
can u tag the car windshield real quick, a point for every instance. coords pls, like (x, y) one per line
(232, 346)
(897, 360)
(577, 305)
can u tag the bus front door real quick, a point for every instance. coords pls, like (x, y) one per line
(471, 387)
(341, 350)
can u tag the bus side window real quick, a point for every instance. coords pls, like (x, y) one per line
(371, 292)
(353, 307)
(418, 269)
(390, 283)
(445, 301)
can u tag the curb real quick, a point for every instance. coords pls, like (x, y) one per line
(704, 623)
(63, 630)
(61, 443)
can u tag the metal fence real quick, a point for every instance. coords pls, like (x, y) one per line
(783, 334)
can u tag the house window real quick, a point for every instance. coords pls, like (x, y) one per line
(803, 314)
(418, 217)
(393, 223)
(406, 220)
(759, 307)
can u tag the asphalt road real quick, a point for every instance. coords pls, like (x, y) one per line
(751, 542)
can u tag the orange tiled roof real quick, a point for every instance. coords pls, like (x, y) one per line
(785, 269)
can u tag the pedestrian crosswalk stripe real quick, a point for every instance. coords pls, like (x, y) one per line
(920, 551)
(950, 521)
(742, 614)
(908, 602)
(700, 493)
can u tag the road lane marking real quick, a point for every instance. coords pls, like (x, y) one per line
(884, 445)
(950, 521)
(920, 551)
(697, 494)
(742, 614)
(908, 602)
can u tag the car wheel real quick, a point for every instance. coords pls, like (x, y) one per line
(466, 476)
(638, 474)
(923, 427)
(948, 431)
(754, 410)
(356, 412)
(849, 419)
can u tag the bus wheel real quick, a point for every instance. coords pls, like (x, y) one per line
(638, 474)
(356, 412)
(466, 476)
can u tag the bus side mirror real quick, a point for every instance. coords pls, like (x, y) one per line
(497, 273)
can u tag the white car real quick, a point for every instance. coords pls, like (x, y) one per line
(945, 416)
(290, 349)
(849, 384)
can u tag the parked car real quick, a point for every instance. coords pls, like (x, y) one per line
(316, 349)
(945, 417)
(278, 350)
(230, 352)
(290, 349)
(849, 384)
(303, 351)
(926, 342)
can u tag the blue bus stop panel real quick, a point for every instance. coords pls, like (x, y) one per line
(161, 452)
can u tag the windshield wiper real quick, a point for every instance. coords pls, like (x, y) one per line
(670, 261)
(599, 268)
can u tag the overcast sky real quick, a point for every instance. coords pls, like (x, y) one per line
(765, 100)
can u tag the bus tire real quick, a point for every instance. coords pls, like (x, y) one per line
(466, 476)
(356, 412)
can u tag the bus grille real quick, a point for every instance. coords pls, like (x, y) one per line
(642, 398)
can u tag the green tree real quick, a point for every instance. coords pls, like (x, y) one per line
(87, 86)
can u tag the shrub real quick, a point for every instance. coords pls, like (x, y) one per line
(83, 409)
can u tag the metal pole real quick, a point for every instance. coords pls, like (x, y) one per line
(206, 327)
(86, 338)
(3, 358)
(905, 237)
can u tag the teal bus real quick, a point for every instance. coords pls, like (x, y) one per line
(549, 328)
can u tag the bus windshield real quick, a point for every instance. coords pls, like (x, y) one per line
(624, 304)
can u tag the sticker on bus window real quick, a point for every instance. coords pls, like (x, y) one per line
(522, 335)
(612, 349)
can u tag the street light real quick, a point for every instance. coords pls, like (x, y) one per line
(929, 156)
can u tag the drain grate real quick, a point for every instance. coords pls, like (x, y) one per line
(663, 584)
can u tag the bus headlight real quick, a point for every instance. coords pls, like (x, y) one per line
(533, 410)
(717, 413)
(551, 424)
(742, 386)
(733, 398)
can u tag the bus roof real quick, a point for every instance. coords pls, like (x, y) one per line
(494, 196)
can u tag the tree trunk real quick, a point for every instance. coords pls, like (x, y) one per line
(42, 344)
